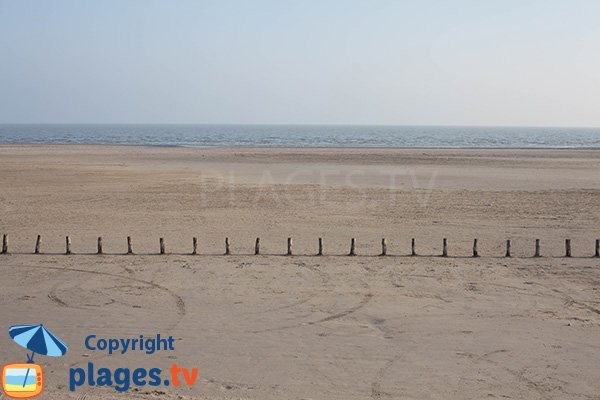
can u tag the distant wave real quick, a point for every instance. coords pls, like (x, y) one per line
(301, 136)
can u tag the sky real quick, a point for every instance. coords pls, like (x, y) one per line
(421, 62)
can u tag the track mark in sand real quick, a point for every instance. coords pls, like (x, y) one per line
(56, 300)
(568, 300)
(367, 297)
(494, 352)
(310, 296)
(582, 304)
(230, 385)
(376, 391)
(389, 333)
(349, 311)
(542, 389)
(179, 303)
(291, 305)
(128, 270)
(315, 268)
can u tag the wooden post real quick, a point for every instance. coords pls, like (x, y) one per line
(100, 245)
(68, 245)
(38, 244)
(567, 247)
(129, 245)
(597, 248)
(352, 247)
(383, 247)
(507, 248)
(289, 247)
(475, 253)
(320, 253)
(226, 246)
(537, 248)
(257, 247)
(194, 246)
(413, 247)
(162, 245)
(445, 248)
(5, 244)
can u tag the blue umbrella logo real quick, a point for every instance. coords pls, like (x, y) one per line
(39, 340)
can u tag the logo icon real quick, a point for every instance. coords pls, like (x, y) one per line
(22, 381)
(26, 380)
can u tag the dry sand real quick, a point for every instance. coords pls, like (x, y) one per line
(306, 327)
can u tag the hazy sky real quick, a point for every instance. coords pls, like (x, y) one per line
(480, 62)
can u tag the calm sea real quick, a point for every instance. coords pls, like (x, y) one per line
(301, 136)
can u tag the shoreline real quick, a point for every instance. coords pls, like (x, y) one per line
(246, 147)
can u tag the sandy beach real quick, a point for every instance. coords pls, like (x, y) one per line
(308, 327)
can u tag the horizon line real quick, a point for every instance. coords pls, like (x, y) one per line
(307, 124)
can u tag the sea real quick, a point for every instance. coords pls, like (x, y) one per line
(301, 135)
